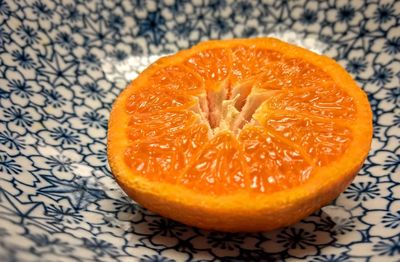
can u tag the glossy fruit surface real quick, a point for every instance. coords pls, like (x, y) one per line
(239, 135)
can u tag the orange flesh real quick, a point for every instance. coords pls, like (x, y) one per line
(182, 129)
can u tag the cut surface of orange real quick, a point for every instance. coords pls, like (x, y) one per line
(239, 135)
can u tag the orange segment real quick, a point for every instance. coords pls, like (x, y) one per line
(325, 141)
(152, 100)
(154, 125)
(291, 73)
(239, 135)
(286, 165)
(161, 158)
(191, 142)
(154, 158)
(250, 61)
(219, 168)
(326, 101)
(177, 77)
(212, 65)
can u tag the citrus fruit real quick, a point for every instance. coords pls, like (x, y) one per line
(239, 135)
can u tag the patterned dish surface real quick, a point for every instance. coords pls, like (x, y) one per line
(63, 62)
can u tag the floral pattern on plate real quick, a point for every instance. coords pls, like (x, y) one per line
(63, 62)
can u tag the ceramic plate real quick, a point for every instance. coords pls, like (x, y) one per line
(63, 62)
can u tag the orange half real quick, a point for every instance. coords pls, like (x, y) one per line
(239, 135)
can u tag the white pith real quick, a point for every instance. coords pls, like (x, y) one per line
(228, 111)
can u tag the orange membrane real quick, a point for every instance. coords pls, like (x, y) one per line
(240, 118)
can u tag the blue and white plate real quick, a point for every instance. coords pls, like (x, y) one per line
(63, 62)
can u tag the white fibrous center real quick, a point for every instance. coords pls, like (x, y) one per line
(224, 110)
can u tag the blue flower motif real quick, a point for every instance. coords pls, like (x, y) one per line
(224, 241)
(29, 37)
(124, 204)
(376, 249)
(58, 99)
(391, 220)
(64, 135)
(123, 208)
(250, 31)
(94, 119)
(338, 225)
(155, 258)
(244, 10)
(101, 247)
(356, 65)
(42, 240)
(71, 12)
(382, 75)
(42, 10)
(217, 5)
(383, 13)
(19, 119)
(9, 165)
(346, 13)
(4, 94)
(20, 116)
(94, 91)
(60, 163)
(61, 134)
(257, 255)
(387, 161)
(331, 258)
(392, 45)
(389, 247)
(91, 60)
(309, 17)
(220, 26)
(119, 55)
(28, 34)
(4, 8)
(137, 49)
(13, 142)
(389, 99)
(23, 58)
(4, 37)
(63, 213)
(60, 213)
(116, 22)
(55, 98)
(63, 62)
(98, 157)
(389, 43)
(93, 122)
(384, 223)
(20, 90)
(65, 40)
(344, 226)
(296, 239)
(152, 27)
(20, 86)
(243, 7)
(140, 4)
(392, 121)
(362, 191)
(166, 227)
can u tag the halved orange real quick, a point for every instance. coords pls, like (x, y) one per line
(239, 135)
